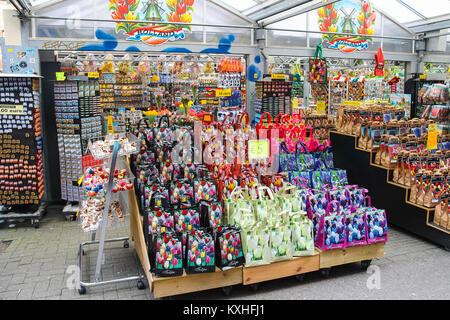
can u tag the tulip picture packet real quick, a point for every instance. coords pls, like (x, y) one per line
(200, 252)
(168, 258)
(229, 253)
(210, 214)
(205, 190)
(186, 219)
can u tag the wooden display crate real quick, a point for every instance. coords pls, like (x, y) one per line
(281, 269)
(170, 286)
(331, 258)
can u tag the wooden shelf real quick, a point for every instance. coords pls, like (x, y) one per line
(337, 257)
(170, 286)
(420, 206)
(438, 227)
(281, 269)
(398, 185)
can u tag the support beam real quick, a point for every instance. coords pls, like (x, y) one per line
(277, 9)
(233, 11)
(427, 27)
(294, 11)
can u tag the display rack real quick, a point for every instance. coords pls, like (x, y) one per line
(252, 276)
(384, 192)
(21, 150)
(98, 280)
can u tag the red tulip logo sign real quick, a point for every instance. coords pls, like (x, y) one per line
(152, 12)
(340, 17)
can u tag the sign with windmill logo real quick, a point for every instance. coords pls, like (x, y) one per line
(349, 16)
(153, 12)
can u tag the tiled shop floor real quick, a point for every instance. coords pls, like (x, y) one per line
(41, 264)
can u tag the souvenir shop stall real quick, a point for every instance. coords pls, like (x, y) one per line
(244, 213)
(95, 94)
(405, 160)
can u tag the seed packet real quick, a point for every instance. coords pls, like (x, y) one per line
(302, 237)
(229, 253)
(168, 258)
(355, 228)
(186, 219)
(338, 178)
(280, 243)
(205, 190)
(320, 179)
(377, 229)
(305, 161)
(210, 214)
(181, 192)
(159, 219)
(200, 252)
(255, 243)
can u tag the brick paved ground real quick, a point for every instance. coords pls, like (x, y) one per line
(34, 266)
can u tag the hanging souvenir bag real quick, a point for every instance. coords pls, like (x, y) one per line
(318, 67)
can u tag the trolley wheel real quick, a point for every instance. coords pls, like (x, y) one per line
(325, 272)
(140, 285)
(447, 248)
(36, 224)
(254, 286)
(126, 244)
(81, 290)
(365, 264)
(300, 277)
(227, 290)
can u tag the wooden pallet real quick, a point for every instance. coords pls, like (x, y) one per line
(281, 269)
(331, 258)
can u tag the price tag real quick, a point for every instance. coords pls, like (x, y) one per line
(423, 77)
(432, 137)
(223, 93)
(93, 75)
(321, 107)
(258, 149)
(60, 76)
(110, 125)
(12, 109)
(203, 102)
(255, 76)
(278, 76)
(295, 103)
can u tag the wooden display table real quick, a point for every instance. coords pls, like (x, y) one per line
(281, 269)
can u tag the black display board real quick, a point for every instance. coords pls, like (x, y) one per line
(383, 195)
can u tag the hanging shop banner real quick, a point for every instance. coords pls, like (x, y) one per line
(152, 10)
(341, 17)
